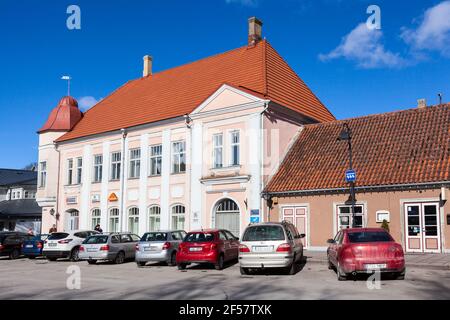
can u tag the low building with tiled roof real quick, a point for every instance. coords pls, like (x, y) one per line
(184, 148)
(402, 165)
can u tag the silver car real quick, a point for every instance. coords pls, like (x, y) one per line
(115, 247)
(159, 246)
(271, 245)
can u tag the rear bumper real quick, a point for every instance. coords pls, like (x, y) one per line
(210, 257)
(56, 253)
(96, 256)
(143, 256)
(359, 266)
(31, 253)
(265, 261)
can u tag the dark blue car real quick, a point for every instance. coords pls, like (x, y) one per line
(33, 248)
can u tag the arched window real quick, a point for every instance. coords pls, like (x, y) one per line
(95, 217)
(114, 220)
(154, 218)
(227, 216)
(133, 220)
(178, 217)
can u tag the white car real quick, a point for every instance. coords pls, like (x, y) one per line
(65, 244)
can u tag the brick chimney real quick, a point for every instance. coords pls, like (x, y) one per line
(254, 31)
(421, 103)
(148, 61)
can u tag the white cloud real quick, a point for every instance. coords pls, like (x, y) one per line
(363, 46)
(247, 3)
(87, 102)
(433, 32)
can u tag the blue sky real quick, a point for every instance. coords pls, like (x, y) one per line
(354, 71)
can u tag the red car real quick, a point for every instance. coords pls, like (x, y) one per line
(365, 250)
(208, 246)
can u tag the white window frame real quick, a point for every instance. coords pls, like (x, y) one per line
(133, 220)
(98, 168)
(79, 170)
(116, 165)
(178, 157)
(175, 212)
(362, 214)
(95, 217)
(135, 163)
(155, 160)
(70, 171)
(235, 144)
(217, 145)
(42, 174)
(154, 215)
(116, 218)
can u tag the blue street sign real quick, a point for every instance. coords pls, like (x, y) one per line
(350, 176)
(254, 219)
(254, 212)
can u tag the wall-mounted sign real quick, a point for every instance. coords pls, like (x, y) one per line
(113, 197)
(254, 219)
(71, 200)
(254, 212)
(95, 198)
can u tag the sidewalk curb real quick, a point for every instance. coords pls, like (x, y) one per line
(408, 265)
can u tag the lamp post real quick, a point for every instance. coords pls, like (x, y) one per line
(346, 135)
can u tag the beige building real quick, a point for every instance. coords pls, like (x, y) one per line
(402, 164)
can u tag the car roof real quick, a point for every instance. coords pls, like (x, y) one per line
(349, 230)
(205, 230)
(165, 231)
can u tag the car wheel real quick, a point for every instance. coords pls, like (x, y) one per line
(15, 254)
(120, 258)
(244, 271)
(74, 255)
(140, 264)
(340, 275)
(181, 266)
(173, 260)
(219, 264)
(51, 259)
(92, 261)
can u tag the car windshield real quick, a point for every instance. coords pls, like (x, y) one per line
(154, 236)
(263, 233)
(96, 239)
(369, 236)
(199, 237)
(58, 236)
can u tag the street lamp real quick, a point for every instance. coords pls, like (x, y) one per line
(346, 135)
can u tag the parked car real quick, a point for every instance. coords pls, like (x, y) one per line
(160, 246)
(65, 244)
(365, 250)
(32, 247)
(208, 246)
(271, 245)
(116, 247)
(11, 243)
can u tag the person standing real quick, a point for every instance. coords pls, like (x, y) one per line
(98, 229)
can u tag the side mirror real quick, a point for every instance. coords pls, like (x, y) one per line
(331, 241)
(302, 235)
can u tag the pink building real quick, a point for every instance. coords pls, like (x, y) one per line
(188, 147)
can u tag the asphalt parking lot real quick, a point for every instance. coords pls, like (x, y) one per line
(39, 279)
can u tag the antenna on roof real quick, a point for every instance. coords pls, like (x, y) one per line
(67, 78)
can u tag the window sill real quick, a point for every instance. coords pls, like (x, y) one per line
(226, 168)
(154, 175)
(177, 173)
(134, 178)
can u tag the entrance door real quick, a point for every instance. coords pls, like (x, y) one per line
(297, 216)
(73, 220)
(227, 216)
(422, 227)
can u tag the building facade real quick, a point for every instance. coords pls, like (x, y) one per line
(402, 165)
(187, 148)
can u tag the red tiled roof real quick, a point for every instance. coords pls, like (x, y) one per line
(63, 117)
(178, 91)
(403, 147)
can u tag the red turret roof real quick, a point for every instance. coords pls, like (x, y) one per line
(64, 117)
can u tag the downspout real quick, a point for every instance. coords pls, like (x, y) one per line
(261, 184)
(122, 179)
(57, 186)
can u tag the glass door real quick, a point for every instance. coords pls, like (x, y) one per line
(422, 227)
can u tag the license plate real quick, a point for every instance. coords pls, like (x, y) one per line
(29, 246)
(262, 248)
(151, 248)
(52, 244)
(91, 249)
(195, 249)
(375, 266)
